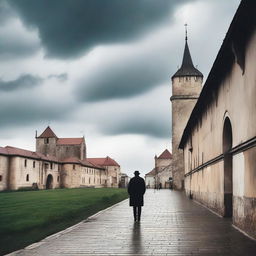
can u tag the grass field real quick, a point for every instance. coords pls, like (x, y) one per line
(27, 217)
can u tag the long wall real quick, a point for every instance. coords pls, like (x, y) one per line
(205, 171)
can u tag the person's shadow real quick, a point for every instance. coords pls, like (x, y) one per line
(136, 238)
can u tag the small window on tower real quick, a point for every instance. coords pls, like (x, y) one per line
(46, 140)
(34, 164)
(25, 162)
(51, 165)
(1, 177)
(27, 177)
(74, 166)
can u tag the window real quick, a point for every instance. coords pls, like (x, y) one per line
(34, 164)
(74, 166)
(1, 177)
(25, 163)
(46, 140)
(27, 177)
(51, 164)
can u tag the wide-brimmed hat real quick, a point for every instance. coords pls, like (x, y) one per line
(137, 173)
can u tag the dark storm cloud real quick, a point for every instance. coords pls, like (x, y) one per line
(123, 79)
(5, 12)
(22, 82)
(68, 28)
(154, 126)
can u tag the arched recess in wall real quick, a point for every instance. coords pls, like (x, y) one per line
(49, 182)
(227, 141)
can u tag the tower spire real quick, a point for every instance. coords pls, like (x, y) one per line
(187, 67)
(186, 32)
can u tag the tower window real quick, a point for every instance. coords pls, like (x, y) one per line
(27, 177)
(74, 166)
(1, 177)
(25, 162)
(46, 140)
(51, 165)
(34, 164)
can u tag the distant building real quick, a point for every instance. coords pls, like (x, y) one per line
(219, 140)
(124, 180)
(57, 162)
(161, 174)
(150, 179)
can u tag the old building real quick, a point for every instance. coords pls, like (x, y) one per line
(49, 144)
(219, 140)
(112, 169)
(150, 179)
(57, 162)
(186, 87)
(162, 172)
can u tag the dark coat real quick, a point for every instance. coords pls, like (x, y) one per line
(136, 190)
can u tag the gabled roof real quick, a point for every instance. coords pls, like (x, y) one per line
(151, 173)
(48, 133)
(106, 161)
(165, 155)
(187, 67)
(70, 141)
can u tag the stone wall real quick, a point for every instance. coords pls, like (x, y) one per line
(204, 154)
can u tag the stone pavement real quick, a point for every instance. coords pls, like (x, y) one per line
(171, 225)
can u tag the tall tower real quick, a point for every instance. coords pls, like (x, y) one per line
(186, 87)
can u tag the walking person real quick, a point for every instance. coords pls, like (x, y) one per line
(136, 190)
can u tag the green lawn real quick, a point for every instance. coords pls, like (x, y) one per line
(27, 217)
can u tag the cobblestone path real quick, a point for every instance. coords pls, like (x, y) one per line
(171, 225)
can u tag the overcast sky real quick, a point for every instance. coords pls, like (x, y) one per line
(101, 69)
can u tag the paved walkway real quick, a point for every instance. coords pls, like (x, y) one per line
(171, 225)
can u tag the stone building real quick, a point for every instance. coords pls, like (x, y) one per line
(162, 172)
(57, 162)
(186, 87)
(49, 144)
(112, 169)
(219, 140)
(150, 179)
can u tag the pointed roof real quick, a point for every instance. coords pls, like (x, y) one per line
(165, 155)
(48, 133)
(187, 67)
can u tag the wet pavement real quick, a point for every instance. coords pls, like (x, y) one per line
(171, 225)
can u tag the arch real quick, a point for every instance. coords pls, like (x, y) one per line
(227, 141)
(49, 182)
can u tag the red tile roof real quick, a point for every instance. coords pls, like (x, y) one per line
(165, 155)
(151, 173)
(70, 141)
(107, 161)
(27, 153)
(48, 133)
(75, 160)
(3, 151)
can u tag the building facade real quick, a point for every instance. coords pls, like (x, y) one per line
(57, 162)
(219, 141)
(186, 87)
(161, 175)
